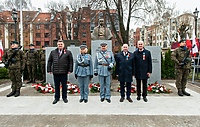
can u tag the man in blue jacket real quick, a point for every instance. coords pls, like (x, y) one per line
(142, 69)
(124, 71)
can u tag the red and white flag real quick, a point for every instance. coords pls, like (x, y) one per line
(188, 42)
(1, 50)
(194, 44)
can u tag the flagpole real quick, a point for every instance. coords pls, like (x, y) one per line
(21, 34)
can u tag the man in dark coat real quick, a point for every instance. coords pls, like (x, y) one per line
(124, 71)
(60, 63)
(142, 69)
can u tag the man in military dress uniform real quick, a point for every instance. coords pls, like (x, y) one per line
(14, 58)
(182, 68)
(42, 63)
(104, 62)
(83, 72)
(32, 61)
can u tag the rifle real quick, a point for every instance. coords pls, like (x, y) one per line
(186, 59)
(7, 63)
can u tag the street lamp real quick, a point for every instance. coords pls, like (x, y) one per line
(15, 17)
(195, 17)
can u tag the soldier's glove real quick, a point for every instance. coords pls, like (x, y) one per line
(95, 74)
(91, 76)
(76, 76)
(109, 68)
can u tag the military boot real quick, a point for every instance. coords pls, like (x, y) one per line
(11, 93)
(29, 81)
(185, 93)
(180, 93)
(17, 93)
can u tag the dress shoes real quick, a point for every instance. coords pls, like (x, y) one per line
(55, 101)
(65, 100)
(85, 100)
(11, 94)
(138, 98)
(81, 100)
(108, 100)
(102, 99)
(145, 99)
(121, 99)
(130, 100)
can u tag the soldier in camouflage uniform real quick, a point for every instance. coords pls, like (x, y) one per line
(32, 61)
(182, 68)
(42, 63)
(15, 67)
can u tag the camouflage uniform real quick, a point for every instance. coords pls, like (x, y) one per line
(15, 69)
(181, 72)
(42, 64)
(31, 61)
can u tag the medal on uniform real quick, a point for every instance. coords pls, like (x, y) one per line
(143, 56)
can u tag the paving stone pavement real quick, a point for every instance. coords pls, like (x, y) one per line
(159, 111)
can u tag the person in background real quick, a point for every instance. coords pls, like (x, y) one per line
(60, 64)
(15, 60)
(103, 65)
(182, 68)
(142, 69)
(42, 61)
(32, 62)
(83, 72)
(124, 71)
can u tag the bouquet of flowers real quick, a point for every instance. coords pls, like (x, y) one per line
(94, 87)
(133, 88)
(43, 88)
(157, 88)
(72, 88)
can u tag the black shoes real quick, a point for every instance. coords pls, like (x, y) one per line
(81, 100)
(85, 100)
(108, 100)
(145, 99)
(138, 98)
(17, 93)
(185, 93)
(102, 99)
(55, 101)
(121, 99)
(65, 100)
(130, 100)
(11, 94)
(180, 93)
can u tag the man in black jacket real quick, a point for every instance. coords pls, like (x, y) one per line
(60, 63)
(142, 69)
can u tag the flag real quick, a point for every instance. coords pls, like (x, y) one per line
(1, 50)
(179, 39)
(194, 44)
(188, 42)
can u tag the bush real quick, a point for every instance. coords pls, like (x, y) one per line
(4, 73)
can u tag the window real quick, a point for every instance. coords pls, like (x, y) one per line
(38, 43)
(12, 26)
(75, 26)
(26, 26)
(46, 43)
(83, 42)
(84, 26)
(37, 27)
(12, 35)
(46, 26)
(46, 35)
(84, 34)
(38, 35)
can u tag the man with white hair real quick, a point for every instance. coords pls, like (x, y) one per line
(124, 71)
(142, 69)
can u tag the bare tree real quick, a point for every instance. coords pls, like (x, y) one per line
(130, 12)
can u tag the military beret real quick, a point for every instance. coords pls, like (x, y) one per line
(14, 42)
(83, 46)
(31, 45)
(182, 40)
(103, 44)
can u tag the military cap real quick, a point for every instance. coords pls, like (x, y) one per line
(103, 44)
(31, 45)
(83, 46)
(14, 42)
(182, 40)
